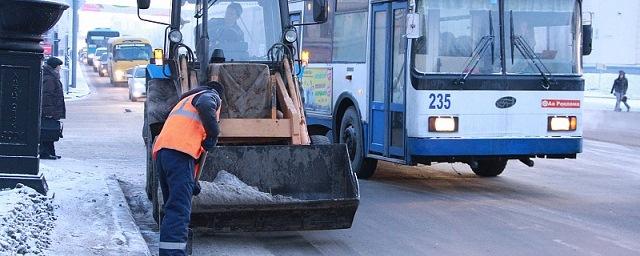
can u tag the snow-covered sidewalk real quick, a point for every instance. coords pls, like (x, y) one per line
(82, 87)
(84, 213)
(26, 221)
(93, 216)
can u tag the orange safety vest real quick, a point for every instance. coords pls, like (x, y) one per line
(183, 131)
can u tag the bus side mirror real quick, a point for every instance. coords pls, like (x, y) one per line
(144, 4)
(320, 11)
(587, 39)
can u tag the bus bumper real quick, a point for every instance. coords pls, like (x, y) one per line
(426, 148)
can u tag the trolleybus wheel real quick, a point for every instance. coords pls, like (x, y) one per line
(490, 167)
(351, 134)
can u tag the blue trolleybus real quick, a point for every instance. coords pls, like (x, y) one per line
(424, 81)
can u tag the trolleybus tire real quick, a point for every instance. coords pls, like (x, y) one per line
(490, 167)
(351, 133)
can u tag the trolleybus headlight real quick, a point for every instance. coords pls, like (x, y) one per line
(562, 123)
(290, 35)
(443, 124)
(175, 36)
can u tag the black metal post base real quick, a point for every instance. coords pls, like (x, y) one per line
(36, 182)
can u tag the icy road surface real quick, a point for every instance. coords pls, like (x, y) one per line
(588, 206)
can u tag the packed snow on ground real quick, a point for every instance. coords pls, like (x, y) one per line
(226, 188)
(603, 83)
(26, 221)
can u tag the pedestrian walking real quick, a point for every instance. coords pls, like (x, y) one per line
(53, 108)
(619, 89)
(190, 130)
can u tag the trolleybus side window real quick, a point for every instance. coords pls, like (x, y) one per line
(350, 31)
(317, 38)
(350, 37)
(343, 38)
(352, 5)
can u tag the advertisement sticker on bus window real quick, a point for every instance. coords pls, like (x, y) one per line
(550, 103)
(317, 85)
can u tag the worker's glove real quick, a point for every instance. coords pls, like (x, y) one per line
(197, 188)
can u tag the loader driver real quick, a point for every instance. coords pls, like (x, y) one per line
(227, 35)
(190, 129)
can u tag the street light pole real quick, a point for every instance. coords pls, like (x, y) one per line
(74, 44)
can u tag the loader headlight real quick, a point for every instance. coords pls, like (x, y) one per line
(290, 35)
(562, 123)
(175, 36)
(443, 124)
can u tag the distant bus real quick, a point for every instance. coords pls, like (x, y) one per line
(98, 38)
(426, 81)
(126, 53)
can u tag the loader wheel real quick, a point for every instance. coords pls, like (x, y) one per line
(351, 134)
(149, 175)
(490, 167)
(320, 140)
(155, 199)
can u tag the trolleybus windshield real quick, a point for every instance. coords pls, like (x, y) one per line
(457, 27)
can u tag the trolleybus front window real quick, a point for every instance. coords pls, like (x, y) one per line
(550, 29)
(455, 30)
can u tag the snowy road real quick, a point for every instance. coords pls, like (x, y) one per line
(588, 206)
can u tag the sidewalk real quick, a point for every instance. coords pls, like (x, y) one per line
(93, 217)
(82, 87)
(614, 127)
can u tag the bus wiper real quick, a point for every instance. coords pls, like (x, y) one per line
(518, 42)
(477, 53)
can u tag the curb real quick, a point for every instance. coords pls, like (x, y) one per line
(123, 220)
(599, 97)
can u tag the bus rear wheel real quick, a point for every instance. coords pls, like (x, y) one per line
(490, 167)
(351, 134)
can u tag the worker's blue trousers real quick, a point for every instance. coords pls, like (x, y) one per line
(176, 181)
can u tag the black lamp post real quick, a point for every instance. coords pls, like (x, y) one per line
(22, 23)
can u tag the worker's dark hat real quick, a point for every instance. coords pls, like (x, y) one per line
(54, 62)
(216, 86)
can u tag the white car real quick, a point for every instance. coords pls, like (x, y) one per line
(96, 58)
(137, 82)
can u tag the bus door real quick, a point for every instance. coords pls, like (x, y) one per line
(386, 136)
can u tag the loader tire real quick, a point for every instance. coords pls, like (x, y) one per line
(320, 140)
(155, 199)
(351, 134)
(490, 167)
(149, 175)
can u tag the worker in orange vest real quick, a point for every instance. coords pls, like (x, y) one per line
(190, 129)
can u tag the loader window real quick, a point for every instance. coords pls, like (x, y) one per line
(245, 30)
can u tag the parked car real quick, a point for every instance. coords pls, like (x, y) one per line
(82, 55)
(137, 82)
(103, 62)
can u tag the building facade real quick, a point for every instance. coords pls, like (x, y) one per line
(616, 37)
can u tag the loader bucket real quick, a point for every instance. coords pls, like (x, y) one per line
(317, 177)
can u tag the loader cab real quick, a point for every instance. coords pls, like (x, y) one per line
(245, 30)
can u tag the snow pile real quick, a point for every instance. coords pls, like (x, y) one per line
(226, 188)
(26, 221)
